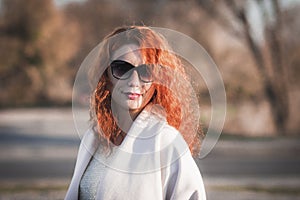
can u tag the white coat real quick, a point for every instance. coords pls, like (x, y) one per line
(153, 162)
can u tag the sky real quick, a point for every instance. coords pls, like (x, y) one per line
(256, 17)
(63, 2)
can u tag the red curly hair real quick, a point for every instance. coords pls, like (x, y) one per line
(173, 95)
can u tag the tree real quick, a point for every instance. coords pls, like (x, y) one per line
(36, 44)
(267, 54)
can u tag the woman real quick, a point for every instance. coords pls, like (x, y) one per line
(144, 130)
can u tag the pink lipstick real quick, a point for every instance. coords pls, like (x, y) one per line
(133, 96)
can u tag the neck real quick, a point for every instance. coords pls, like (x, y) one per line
(134, 113)
(125, 117)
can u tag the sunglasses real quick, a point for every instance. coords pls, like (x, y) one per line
(123, 70)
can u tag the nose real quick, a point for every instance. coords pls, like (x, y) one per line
(134, 80)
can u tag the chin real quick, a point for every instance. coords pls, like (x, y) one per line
(134, 105)
(128, 104)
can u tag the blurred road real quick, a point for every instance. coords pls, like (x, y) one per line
(38, 149)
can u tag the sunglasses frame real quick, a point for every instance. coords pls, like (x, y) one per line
(133, 68)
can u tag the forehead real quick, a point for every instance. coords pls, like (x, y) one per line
(129, 53)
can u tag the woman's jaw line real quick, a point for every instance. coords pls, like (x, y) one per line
(126, 112)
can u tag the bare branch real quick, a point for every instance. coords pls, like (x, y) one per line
(212, 9)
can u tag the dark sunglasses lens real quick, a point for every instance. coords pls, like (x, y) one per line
(120, 69)
(145, 73)
(123, 70)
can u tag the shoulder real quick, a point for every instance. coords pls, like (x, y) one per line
(170, 136)
(89, 141)
(180, 174)
(173, 147)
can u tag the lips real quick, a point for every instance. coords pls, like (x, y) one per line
(132, 95)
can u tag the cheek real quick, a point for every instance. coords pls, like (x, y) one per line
(146, 88)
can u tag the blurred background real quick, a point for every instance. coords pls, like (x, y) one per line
(254, 43)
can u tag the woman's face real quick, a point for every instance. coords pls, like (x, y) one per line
(132, 93)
